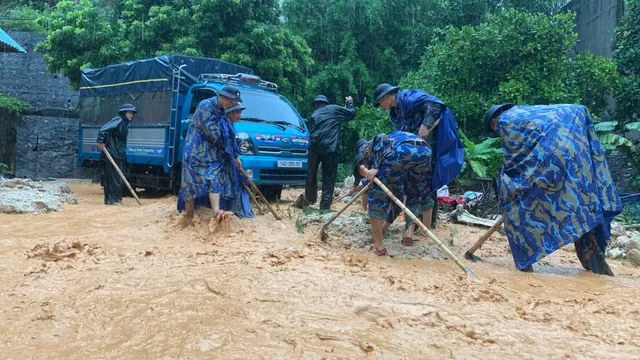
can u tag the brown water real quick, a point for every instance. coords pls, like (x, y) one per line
(125, 283)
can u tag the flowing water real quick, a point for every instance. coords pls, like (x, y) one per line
(124, 282)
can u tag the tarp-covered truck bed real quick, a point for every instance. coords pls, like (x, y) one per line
(144, 83)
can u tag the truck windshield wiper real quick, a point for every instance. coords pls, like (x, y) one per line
(257, 120)
(280, 122)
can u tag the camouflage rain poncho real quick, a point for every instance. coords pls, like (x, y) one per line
(555, 186)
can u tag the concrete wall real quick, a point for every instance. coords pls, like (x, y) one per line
(47, 147)
(596, 22)
(25, 77)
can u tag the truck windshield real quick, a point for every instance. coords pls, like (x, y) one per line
(269, 107)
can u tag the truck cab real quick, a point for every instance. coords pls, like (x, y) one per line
(272, 136)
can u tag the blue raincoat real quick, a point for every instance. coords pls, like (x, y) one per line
(449, 151)
(208, 163)
(555, 187)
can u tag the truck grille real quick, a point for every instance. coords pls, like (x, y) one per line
(277, 150)
(283, 174)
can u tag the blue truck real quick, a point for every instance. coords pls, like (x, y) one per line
(272, 136)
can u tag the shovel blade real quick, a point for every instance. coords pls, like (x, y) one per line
(472, 258)
(323, 235)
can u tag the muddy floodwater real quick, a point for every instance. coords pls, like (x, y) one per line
(123, 282)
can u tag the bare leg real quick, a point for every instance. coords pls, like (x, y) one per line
(218, 215)
(376, 230)
(365, 201)
(215, 203)
(385, 227)
(426, 217)
(187, 218)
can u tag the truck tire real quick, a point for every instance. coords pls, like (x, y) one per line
(271, 192)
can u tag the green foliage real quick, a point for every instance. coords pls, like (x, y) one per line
(96, 33)
(609, 140)
(22, 18)
(4, 168)
(514, 57)
(626, 52)
(12, 104)
(483, 159)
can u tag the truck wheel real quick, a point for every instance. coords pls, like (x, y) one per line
(271, 192)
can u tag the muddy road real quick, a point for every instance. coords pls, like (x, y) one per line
(123, 282)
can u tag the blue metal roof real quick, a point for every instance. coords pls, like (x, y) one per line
(7, 44)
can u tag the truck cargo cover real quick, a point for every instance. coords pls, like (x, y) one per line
(151, 75)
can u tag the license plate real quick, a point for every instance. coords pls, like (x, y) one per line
(289, 164)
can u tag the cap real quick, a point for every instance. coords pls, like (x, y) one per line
(127, 107)
(231, 92)
(382, 90)
(495, 110)
(321, 99)
(236, 107)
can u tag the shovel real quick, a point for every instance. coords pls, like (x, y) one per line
(106, 152)
(255, 188)
(469, 254)
(415, 220)
(323, 234)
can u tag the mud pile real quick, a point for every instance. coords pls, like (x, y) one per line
(25, 196)
(353, 231)
(62, 250)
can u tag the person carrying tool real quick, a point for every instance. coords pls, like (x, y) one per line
(425, 115)
(359, 179)
(324, 147)
(209, 168)
(400, 160)
(555, 187)
(113, 138)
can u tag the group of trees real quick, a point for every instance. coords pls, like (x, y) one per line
(470, 53)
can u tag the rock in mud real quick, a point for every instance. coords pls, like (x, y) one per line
(620, 242)
(633, 244)
(614, 253)
(25, 196)
(634, 257)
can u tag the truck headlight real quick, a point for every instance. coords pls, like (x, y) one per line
(244, 143)
(249, 173)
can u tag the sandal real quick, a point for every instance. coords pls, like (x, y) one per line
(381, 252)
(407, 241)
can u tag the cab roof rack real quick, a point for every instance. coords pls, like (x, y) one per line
(240, 79)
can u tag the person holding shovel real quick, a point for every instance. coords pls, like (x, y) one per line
(209, 168)
(555, 187)
(401, 161)
(359, 179)
(113, 138)
(422, 114)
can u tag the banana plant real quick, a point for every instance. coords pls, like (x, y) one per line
(482, 157)
(609, 140)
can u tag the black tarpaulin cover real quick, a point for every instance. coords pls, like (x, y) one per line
(151, 75)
